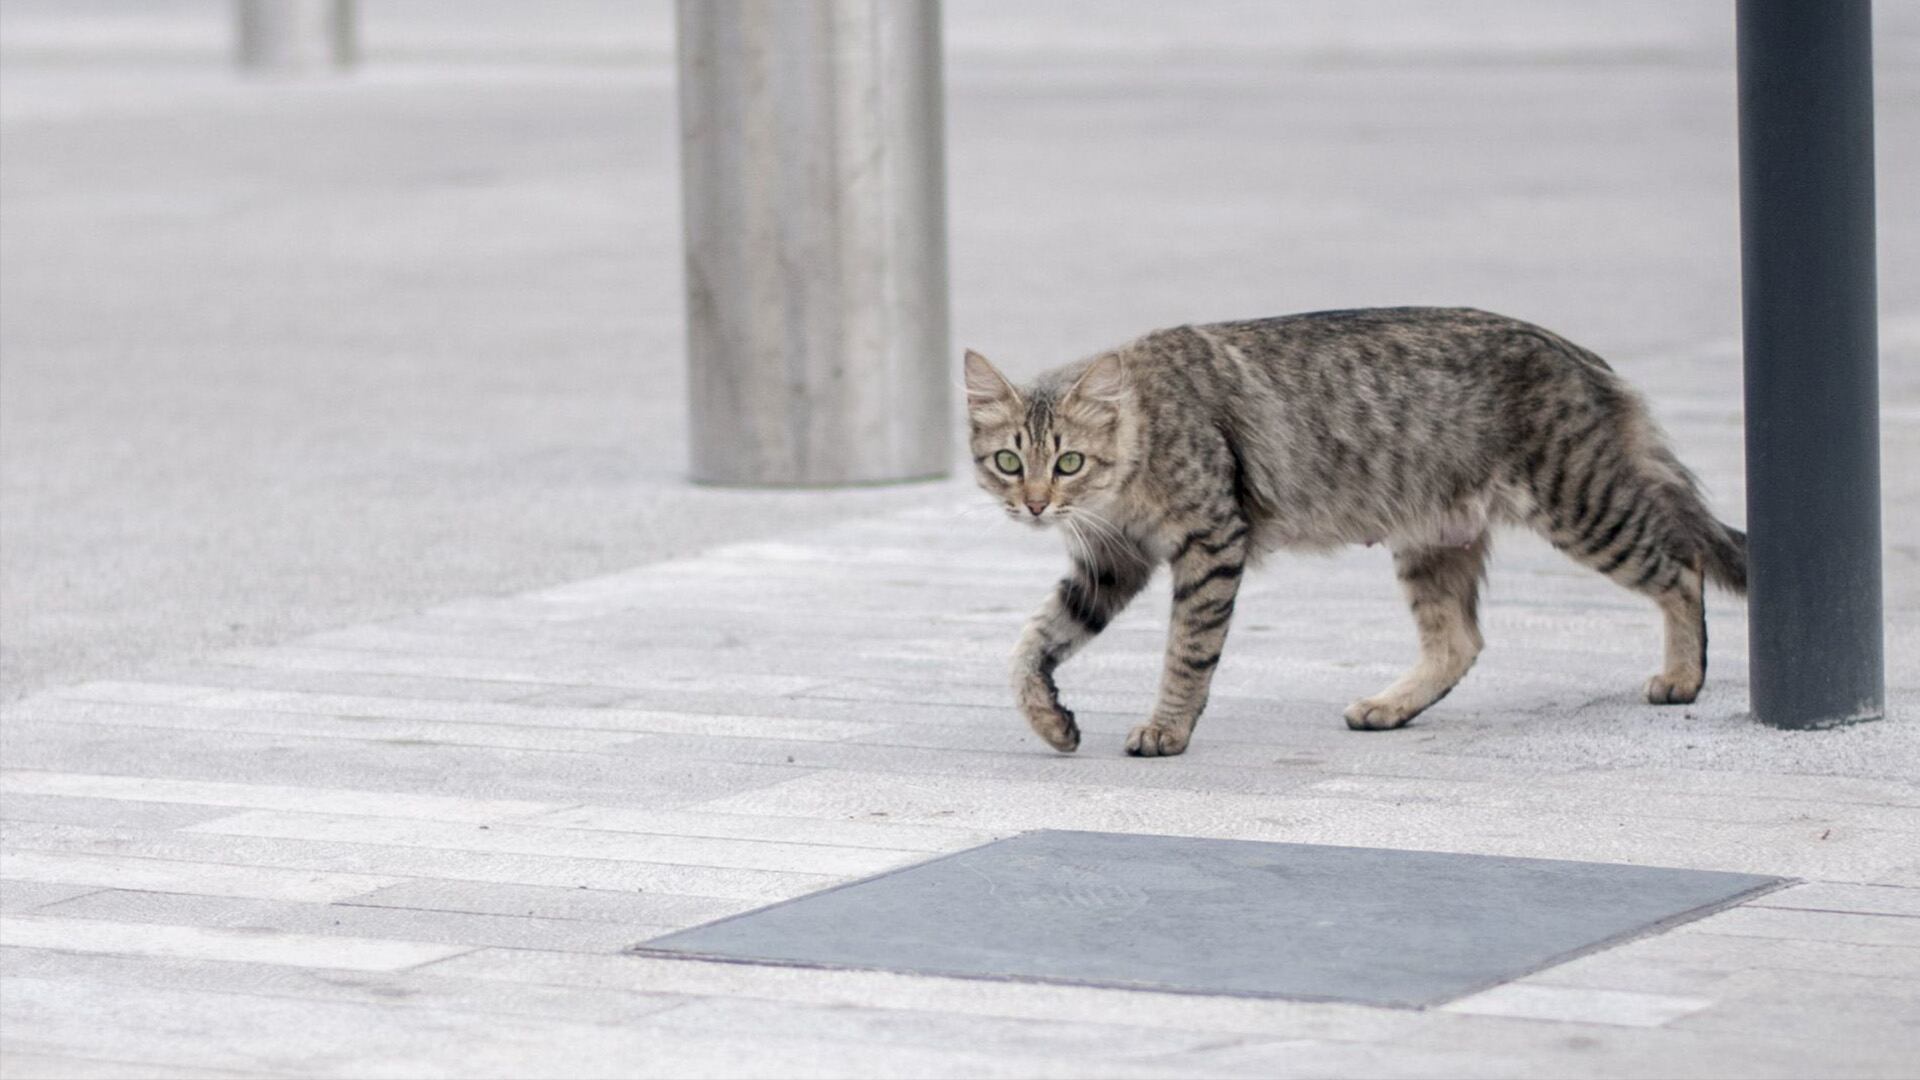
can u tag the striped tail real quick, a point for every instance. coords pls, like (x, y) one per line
(1723, 551)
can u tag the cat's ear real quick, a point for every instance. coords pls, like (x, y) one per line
(986, 387)
(1103, 383)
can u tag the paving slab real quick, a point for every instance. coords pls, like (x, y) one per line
(70, 1067)
(18, 896)
(700, 851)
(212, 943)
(394, 862)
(394, 990)
(1147, 1010)
(207, 793)
(351, 921)
(1864, 899)
(88, 811)
(1318, 923)
(177, 876)
(629, 908)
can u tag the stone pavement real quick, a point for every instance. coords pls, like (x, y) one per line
(419, 846)
(281, 357)
(376, 357)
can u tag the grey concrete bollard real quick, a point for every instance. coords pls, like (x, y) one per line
(290, 36)
(813, 179)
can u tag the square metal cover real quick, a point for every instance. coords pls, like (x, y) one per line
(1368, 925)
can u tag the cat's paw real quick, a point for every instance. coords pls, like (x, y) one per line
(1050, 720)
(1152, 740)
(1380, 714)
(1055, 724)
(1665, 689)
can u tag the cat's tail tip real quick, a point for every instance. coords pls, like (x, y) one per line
(1723, 556)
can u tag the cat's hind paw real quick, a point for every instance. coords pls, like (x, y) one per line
(1152, 740)
(1665, 689)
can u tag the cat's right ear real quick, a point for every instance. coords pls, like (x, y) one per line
(987, 389)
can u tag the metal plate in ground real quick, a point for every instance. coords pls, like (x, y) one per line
(1381, 927)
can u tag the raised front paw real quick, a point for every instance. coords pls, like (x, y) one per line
(1152, 740)
(1054, 723)
(1380, 713)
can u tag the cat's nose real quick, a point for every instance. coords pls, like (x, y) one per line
(1036, 507)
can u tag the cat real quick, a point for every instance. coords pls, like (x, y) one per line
(1206, 446)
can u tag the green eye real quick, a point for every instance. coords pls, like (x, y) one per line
(1008, 461)
(1069, 463)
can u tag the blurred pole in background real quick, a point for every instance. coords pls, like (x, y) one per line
(1813, 425)
(814, 201)
(294, 35)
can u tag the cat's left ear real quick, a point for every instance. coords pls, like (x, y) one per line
(1103, 383)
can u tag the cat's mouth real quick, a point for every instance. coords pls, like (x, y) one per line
(1033, 521)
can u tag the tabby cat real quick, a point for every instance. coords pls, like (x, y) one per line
(1203, 447)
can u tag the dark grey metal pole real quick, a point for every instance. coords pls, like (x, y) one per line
(1813, 430)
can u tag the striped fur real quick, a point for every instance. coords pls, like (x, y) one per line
(1202, 447)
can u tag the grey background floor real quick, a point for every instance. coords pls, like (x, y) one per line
(283, 357)
(304, 385)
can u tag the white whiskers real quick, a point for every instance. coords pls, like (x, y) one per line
(1083, 553)
(1112, 538)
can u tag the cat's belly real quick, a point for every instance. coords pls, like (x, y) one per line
(1457, 525)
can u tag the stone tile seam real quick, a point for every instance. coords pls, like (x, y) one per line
(149, 1068)
(397, 879)
(348, 902)
(1838, 911)
(39, 908)
(680, 999)
(344, 737)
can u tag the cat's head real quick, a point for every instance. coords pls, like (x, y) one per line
(1052, 448)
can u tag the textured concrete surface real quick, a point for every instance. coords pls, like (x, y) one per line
(279, 357)
(423, 845)
(305, 385)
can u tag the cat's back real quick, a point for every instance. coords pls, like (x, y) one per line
(1355, 425)
(1383, 339)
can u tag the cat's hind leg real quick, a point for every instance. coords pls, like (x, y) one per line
(1637, 533)
(1443, 587)
(1677, 585)
(1683, 603)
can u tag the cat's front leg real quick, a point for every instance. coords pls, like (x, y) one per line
(1207, 565)
(1080, 606)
